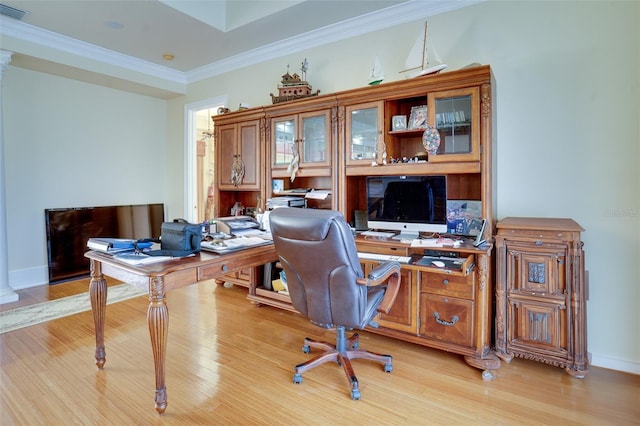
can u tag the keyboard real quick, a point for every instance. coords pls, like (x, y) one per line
(378, 234)
(384, 257)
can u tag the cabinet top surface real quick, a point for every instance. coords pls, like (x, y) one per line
(539, 223)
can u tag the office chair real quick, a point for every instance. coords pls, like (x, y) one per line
(318, 254)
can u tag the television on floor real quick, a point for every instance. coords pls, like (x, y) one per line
(68, 230)
(409, 204)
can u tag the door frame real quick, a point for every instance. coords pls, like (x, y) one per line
(190, 151)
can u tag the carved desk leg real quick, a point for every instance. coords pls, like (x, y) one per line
(158, 318)
(98, 296)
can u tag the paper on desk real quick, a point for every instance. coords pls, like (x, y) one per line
(318, 194)
(435, 242)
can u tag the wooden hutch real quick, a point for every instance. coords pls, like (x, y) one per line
(337, 138)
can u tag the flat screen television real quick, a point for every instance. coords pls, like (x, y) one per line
(409, 204)
(68, 230)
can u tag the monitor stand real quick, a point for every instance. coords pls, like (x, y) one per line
(406, 236)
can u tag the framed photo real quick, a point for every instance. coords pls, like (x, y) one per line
(418, 119)
(399, 122)
(464, 217)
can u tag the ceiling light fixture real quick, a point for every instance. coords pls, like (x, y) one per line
(168, 57)
(114, 25)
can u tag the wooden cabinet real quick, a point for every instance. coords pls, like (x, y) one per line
(442, 308)
(306, 128)
(341, 139)
(239, 144)
(307, 135)
(540, 293)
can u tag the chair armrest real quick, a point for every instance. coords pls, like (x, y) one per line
(386, 273)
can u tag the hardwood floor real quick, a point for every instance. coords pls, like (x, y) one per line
(231, 362)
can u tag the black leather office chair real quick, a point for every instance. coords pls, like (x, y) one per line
(318, 254)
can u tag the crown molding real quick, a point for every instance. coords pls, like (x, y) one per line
(61, 43)
(384, 18)
(394, 15)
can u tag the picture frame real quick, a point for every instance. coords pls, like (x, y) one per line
(418, 118)
(399, 122)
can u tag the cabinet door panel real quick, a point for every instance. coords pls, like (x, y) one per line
(456, 115)
(537, 325)
(363, 132)
(402, 315)
(249, 148)
(226, 151)
(537, 270)
(284, 138)
(316, 138)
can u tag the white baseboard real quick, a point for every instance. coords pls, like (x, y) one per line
(30, 277)
(613, 363)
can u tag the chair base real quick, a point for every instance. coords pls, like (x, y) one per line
(342, 353)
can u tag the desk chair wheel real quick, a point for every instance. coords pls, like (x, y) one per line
(355, 394)
(297, 378)
(306, 349)
(388, 367)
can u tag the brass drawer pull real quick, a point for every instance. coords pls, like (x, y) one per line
(451, 323)
(445, 282)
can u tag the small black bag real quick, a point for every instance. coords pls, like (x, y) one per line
(179, 238)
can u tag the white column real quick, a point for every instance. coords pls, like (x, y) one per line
(6, 292)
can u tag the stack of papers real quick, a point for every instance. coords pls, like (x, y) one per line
(239, 243)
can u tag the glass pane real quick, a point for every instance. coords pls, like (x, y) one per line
(314, 139)
(285, 134)
(364, 133)
(453, 121)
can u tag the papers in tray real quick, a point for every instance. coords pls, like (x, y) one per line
(435, 242)
(239, 243)
(133, 258)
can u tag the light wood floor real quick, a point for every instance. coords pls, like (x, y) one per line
(230, 362)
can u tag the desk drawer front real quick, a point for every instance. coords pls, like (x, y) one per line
(447, 285)
(447, 319)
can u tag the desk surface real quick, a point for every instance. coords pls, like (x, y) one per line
(157, 279)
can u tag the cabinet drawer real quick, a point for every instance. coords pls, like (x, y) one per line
(535, 234)
(447, 285)
(537, 324)
(447, 319)
(369, 247)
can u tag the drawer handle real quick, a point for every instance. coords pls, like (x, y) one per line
(453, 321)
(224, 268)
(445, 282)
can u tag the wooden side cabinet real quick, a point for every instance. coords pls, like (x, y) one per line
(541, 307)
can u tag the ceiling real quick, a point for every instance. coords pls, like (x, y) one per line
(204, 37)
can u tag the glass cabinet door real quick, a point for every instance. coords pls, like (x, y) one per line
(316, 139)
(284, 137)
(456, 116)
(363, 130)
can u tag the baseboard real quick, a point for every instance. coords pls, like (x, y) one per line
(31, 277)
(613, 363)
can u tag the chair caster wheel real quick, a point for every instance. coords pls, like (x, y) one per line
(355, 394)
(388, 367)
(355, 345)
(306, 349)
(297, 378)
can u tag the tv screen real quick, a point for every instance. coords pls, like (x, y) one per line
(409, 204)
(68, 230)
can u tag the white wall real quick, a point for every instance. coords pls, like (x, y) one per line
(73, 144)
(567, 102)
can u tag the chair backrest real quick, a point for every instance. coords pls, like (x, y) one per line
(319, 256)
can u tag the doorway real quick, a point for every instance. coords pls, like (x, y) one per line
(200, 159)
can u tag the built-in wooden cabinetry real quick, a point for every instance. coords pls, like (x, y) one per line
(349, 137)
(541, 307)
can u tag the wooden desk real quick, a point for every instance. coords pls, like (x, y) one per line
(157, 279)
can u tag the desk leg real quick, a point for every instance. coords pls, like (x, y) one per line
(158, 318)
(98, 296)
